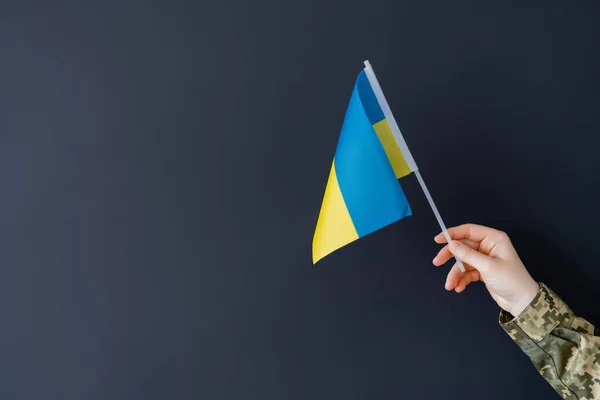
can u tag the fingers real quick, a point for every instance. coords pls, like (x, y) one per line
(444, 254)
(469, 277)
(440, 238)
(453, 277)
(458, 280)
(470, 231)
(470, 256)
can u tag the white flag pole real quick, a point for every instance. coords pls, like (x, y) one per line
(387, 112)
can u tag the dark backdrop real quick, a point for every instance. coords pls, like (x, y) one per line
(163, 164)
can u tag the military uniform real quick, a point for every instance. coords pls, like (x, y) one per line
(564, 348)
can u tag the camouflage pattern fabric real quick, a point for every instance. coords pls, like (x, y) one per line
(561, 346)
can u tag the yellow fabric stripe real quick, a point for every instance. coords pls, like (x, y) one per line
(386, 137)
(334, 227)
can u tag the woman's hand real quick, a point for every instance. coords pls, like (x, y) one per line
(490, 257)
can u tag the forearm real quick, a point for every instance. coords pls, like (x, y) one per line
(563, 347)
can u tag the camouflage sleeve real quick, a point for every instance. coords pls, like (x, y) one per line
(563, 347)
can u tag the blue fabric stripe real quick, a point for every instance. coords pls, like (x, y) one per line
(365, 176)
(368, 99)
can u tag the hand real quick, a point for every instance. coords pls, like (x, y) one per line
(490, 257)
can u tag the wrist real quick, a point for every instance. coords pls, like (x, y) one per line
(528, 295)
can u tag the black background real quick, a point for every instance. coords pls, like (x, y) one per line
(163, 164)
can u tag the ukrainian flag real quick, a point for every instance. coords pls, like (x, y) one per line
(363, 193)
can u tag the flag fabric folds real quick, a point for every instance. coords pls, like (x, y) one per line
(363, 193)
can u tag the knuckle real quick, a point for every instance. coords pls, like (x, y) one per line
(469, 253)
(503, 236)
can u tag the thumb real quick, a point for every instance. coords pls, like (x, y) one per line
(470, 256)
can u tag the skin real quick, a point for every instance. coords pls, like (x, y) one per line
(488, 256)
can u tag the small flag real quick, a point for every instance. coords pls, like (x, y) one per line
(363, 193)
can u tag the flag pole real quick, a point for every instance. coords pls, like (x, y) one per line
(387, 112)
